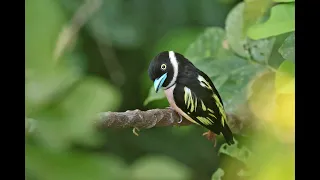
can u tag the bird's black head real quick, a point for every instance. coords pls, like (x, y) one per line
(163, 70)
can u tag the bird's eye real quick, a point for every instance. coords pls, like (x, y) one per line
(163, 66)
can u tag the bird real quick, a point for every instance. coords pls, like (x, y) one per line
(190, 93)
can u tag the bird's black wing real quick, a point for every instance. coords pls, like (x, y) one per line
(196, 95)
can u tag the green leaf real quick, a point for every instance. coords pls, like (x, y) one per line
(285, 81)
(259, 50)
(217, 175)
(150, 168)
(208, 45)
(242, 154)
(42, 87)
(253, 11)
(49, 165)
(230, 75)
(75, 114)
(287, 49)
(153, 96)
(282, 20)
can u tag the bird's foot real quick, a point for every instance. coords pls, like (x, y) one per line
(211, 136)
(134, 131)
(180, 117)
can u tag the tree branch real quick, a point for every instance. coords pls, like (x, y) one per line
(153, 118)
(145, 120)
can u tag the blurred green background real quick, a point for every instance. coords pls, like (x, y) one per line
(85, 57)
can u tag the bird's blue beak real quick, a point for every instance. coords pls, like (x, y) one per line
(158, 82)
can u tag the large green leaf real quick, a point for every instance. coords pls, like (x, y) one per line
(43, 87)
(259, 50)
(285, 77)
(287, 49)
(75, 113)
(282, 20)
(208, 45)
(230, 76)
(149, 168)
(253, 11)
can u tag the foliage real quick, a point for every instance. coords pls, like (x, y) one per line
(64, 98)
(237, 64)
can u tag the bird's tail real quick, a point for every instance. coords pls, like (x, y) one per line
(227, 134)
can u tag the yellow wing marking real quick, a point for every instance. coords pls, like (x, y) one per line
(195, 104)
(210, 110)
(203, 106)
(205, 121)
(210, 114)
(189, 100)
(222, 112)
(204, 83)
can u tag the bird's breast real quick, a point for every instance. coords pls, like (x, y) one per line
(170, 98)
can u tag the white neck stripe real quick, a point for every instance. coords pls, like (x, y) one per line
(174, 63)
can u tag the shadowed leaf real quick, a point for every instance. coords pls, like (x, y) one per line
(287, 49)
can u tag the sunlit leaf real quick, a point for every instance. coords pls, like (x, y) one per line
(208, 45)
(273, 107)
(273, 159)
(218, 174)
(287, 49)
(149, 168)
(261, 96)
(259, 50)
(282, 20)
(285, 80)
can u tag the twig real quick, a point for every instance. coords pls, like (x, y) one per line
(70, 31)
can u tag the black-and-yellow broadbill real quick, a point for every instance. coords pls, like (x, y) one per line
(190, 92)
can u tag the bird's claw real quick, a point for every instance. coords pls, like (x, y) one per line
(180, 119)
(211, 137)
(170, 108)
(134, 131)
